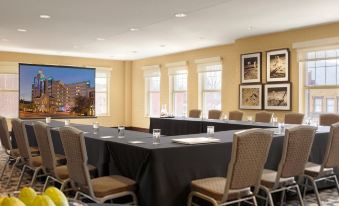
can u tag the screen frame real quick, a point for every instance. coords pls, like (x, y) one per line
(56, 66)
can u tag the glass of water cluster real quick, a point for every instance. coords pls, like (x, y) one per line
(121, 131)
(156, 136)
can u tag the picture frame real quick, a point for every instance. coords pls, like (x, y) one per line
(278, 96)
(250, 97)
(278, 65)
(251, 68)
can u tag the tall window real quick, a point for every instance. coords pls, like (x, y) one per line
(210, 76)
(102, 87)
(330, 105)
(153, 96)
(9, 93)
(152, 90)
(321, 81)
(179, 94)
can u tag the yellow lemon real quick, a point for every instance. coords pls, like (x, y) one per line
(57, 196)
(43, 200)
(27, 195)
(1, 199)
(12, 201)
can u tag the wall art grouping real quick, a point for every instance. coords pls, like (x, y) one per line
(277, 91)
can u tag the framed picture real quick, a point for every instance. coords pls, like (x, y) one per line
(278, 65)
(278, 96)
(251, 68)
(250, 96)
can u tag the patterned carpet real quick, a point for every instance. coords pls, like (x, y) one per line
(329, 197)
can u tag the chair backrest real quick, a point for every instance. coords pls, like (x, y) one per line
(328, 119)
(331, 158)
(263, 117)
(214, 114)
(250, 149)
(235, 115)
(43, 136)
(294, 118)
(74, 145)
(4, 135)
(296, 150)
(20, 134)
(194, 113)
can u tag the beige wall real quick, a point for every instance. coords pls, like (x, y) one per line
(127, 81)
(231, 71)
(118, 89)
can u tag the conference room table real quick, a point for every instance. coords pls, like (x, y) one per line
(163, 172)
(181, 125)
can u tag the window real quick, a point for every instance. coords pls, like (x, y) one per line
(210, 75)
(318, 104)
(102, 87)
(330, 105)
(321, 80)
(153, 96)
(152, 90)
(9, 92)
(179, 94)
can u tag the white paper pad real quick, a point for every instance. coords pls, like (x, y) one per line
(106, 137)
(196, 140)
(136, 142)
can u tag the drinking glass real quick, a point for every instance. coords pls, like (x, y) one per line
(210, 131)
(121, 131)
(225, 117)
(274, 120)
(48, 120)
(67, 122)
(95, 128)
(156, 136)
(249, 118)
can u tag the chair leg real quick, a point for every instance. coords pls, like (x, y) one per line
(135, 199)
(305, 187)
(316, 192)
(299, 195)
(12, 171)
(254, 201)
(282, 197)
(35, 174)
(46, 184)
(336, 182)
(5, 166)
(21, 177)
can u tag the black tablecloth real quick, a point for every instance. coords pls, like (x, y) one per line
(164, 172)
(183, 126)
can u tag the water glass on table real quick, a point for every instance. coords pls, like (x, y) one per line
(156, 136)
(210, 131)
(67, 122)
(249, 118)
(95, 128)
(48, 120)
(121, 131)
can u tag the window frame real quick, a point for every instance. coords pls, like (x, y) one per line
(173, 92)
(148, 93)
(108, 73)
(203, 91)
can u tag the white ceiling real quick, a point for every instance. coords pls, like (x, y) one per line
(75, 25)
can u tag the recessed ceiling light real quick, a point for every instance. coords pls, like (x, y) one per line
(100, 39)
(134, 29)
(180, 15)
(22, 30)
(44, 16)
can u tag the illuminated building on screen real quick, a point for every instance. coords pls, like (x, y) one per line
(51, 95)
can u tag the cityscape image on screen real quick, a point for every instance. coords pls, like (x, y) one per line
(56, 91)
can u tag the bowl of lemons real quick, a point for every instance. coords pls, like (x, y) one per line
(27, 196)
